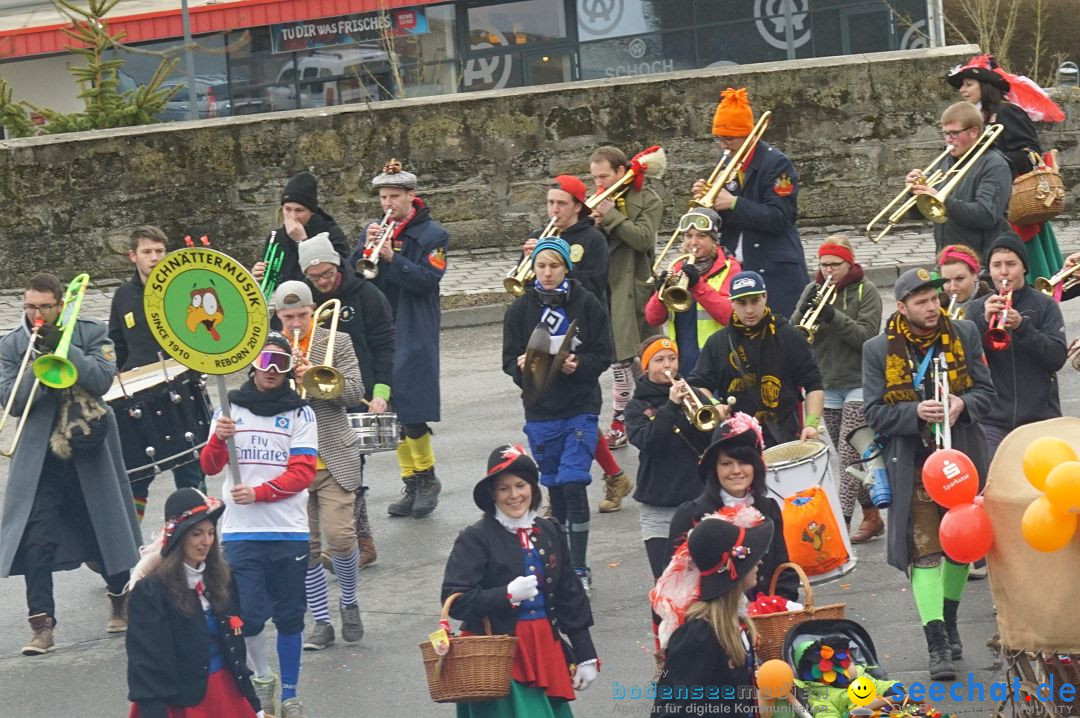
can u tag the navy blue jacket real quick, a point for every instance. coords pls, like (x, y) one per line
(411, 283)
(764, 216)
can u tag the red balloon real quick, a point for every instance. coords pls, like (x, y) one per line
(965, 533)
(950, 478)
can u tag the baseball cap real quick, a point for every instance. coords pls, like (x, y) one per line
(292, 294)
(745, 284)
(913, 280)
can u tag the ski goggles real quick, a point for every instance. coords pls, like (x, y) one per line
(275, 361)
(693, 220)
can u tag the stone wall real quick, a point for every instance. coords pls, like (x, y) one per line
(853, 126)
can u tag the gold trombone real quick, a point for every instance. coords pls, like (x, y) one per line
(653, 162)
(1060, 283)
(933, 207)
(520, 276)
(323, 381)
(368, 264)
(34, 333)
(675, 291)
(704, 417)
(809, 323)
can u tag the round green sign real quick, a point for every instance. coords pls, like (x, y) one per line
(206, 310)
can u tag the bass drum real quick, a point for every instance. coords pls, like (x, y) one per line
(798, 465)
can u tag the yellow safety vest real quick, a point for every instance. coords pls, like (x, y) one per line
(706, 325)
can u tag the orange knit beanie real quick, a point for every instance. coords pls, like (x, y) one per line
(733, 117)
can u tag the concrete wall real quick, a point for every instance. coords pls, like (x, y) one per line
(853, 126)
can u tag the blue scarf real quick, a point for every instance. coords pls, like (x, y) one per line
(553, 302)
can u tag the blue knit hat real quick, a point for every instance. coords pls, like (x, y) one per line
(555, 244)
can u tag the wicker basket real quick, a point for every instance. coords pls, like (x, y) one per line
(477, 668)
(772, 628)
(1039, 195)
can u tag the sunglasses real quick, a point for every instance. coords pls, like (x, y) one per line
(274, 361)
(696, 221)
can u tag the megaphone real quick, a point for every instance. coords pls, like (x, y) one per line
(871, 449)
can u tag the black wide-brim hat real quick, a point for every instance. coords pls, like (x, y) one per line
(726, 549)
(981, 68)
(741, 429)
(183, 509)
(507, 459)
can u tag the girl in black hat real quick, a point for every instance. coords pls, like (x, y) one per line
(710, 658)
(733, 471)
(513, 568)
(186, 657)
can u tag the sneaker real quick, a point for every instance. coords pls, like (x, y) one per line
(319, 637)
(585, 576)
(616, 488)
(977, 572)
(42, 642)
(292, 708)
(616, 436)
(352, 628)
(266, 690)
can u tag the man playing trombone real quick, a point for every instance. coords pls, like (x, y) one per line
(331, 495)
(58, 512)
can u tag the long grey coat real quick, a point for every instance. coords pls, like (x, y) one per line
(901, 424)
(337, 441)
(101, 471)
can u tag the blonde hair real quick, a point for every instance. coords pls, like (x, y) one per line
(841, 239)
(722, 613)
(963, 113)
(549, 255)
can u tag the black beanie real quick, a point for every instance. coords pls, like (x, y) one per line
(302, 189)
(1011, 241)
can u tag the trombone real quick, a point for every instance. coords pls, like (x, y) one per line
(675, 291)
(653, 160)
(1060, 283)
(809, 323)
(272, 258)
(704, 417)
(520, 276)
(368, 264)
(323, 381)
(34, 333)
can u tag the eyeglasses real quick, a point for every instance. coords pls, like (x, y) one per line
(953, 134)
(696, 221)
(269, 360)
(726, 140)
(321, 276)
(830, 265)
(42, 308)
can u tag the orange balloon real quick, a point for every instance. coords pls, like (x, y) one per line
(1045, 528)
(1063, 486)
(1044, 454)
(774, 679)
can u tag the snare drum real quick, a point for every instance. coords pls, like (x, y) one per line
(798, 465)
(375, 432)
(163, 413)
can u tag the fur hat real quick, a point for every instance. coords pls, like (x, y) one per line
(302, 189)
(506, 459)
(727, 547)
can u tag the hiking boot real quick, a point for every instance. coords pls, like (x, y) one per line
(319, 637)
(585, 576)
(616, 436)
(937, 644)
(367, 552)
(266, 690)
(871, 526)
(427, 493)
(117, 622)
(404, 505)
(615, 488)
(292, 708)
(952, 632)
(42, 642)
(352, 628)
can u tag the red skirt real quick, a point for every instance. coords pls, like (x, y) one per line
(223, 698)
(539, 659)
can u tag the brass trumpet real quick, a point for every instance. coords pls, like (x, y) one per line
(809, 323)
(368, 264)
(324, 381)
(520, 276)
(997, 336)
(1060, 283)
(704, 417)
(675, 291)
(955, 310)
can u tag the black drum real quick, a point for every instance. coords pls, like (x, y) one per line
(163, 412)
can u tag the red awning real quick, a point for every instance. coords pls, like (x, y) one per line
(221, 17)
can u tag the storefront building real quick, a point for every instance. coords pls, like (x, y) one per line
(268, 55)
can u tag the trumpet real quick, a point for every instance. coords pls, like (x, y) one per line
(520, 276)
(942, 431)
(933, 207)
(368, 264)
(675, 291)
(997, 337)
(323, 381)
(704, 417)
(1060, 283)
(809, 323)
(955, 310)
(272, 258)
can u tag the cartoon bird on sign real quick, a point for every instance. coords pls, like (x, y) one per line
(205, 309)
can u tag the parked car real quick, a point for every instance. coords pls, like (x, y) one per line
(212, 98)
(330, 78)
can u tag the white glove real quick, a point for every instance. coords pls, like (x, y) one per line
(585, 674)
(260, 714)
(521, 589)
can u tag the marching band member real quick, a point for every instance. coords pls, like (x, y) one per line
(368, 320)
(1007, 100)
(959, 266)
(265, 526)
(630, 224)
(709, 277)
(1025, 372)
(759, 208)
(136, 345)
(332, 495)
(184, 647)
(513, 567)
(852, 317)
(562, 423)
(58, 512)
(895, 387)
(303, 218)
(977, 208)
(765, 362)
(410, 267)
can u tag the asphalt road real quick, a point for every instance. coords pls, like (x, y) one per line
(399, 596)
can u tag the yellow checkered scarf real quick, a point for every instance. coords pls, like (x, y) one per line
(899, 367)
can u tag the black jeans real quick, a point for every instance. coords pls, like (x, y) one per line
(58, 499)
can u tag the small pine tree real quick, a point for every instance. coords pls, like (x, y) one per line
(99, 82)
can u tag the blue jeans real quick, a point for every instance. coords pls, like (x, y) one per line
(564, 448)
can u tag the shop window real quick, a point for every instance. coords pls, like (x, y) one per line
(737, 43)
(603, 19)
(516, 23)
(641, 55)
